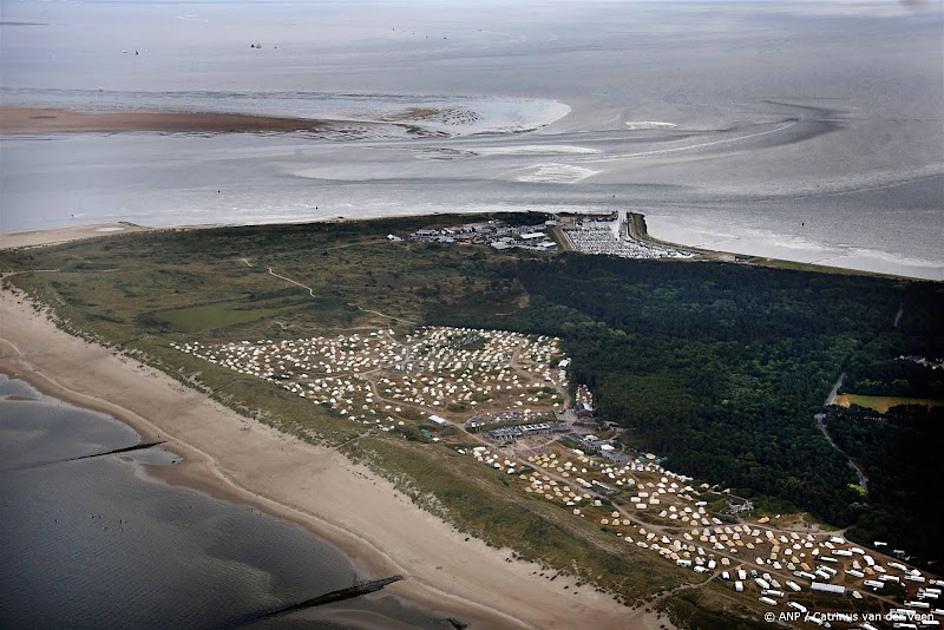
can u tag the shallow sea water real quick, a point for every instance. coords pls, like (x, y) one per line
(101, 543)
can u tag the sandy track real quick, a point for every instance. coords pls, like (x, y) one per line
(230, 456)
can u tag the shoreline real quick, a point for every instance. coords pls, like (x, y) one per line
(639, 230)
(231, 457)
(200, 476)
(41, 237)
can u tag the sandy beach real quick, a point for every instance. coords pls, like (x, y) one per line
(15, 120)
(239, 459)
(39, 238)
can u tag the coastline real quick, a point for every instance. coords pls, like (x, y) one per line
(231, 457)
(41, 237)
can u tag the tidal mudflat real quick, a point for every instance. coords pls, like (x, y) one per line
(662, 108)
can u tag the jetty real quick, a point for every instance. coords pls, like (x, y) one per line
(356, 590)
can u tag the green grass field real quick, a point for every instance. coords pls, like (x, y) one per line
(221, 315)
(883, 403)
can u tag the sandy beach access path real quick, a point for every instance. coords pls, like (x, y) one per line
(233, 457)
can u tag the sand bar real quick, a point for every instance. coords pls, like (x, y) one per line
(377, 527)
(18, 120)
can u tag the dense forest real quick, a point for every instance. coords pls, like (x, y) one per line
(895, 376)
(908, 359)
(900, 452)
(719, 367)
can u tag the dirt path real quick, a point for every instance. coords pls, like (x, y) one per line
(373, 312)
(311, 291)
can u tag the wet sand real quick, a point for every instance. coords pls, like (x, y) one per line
(19, 120)
(378, 528)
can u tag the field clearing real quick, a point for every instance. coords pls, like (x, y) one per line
(883, 403)
(225, 314)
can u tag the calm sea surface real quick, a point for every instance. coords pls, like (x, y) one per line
(99, 543)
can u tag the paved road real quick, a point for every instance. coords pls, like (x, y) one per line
(831, 399)
(821, 425)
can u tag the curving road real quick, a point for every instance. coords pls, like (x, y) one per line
(821, 425)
